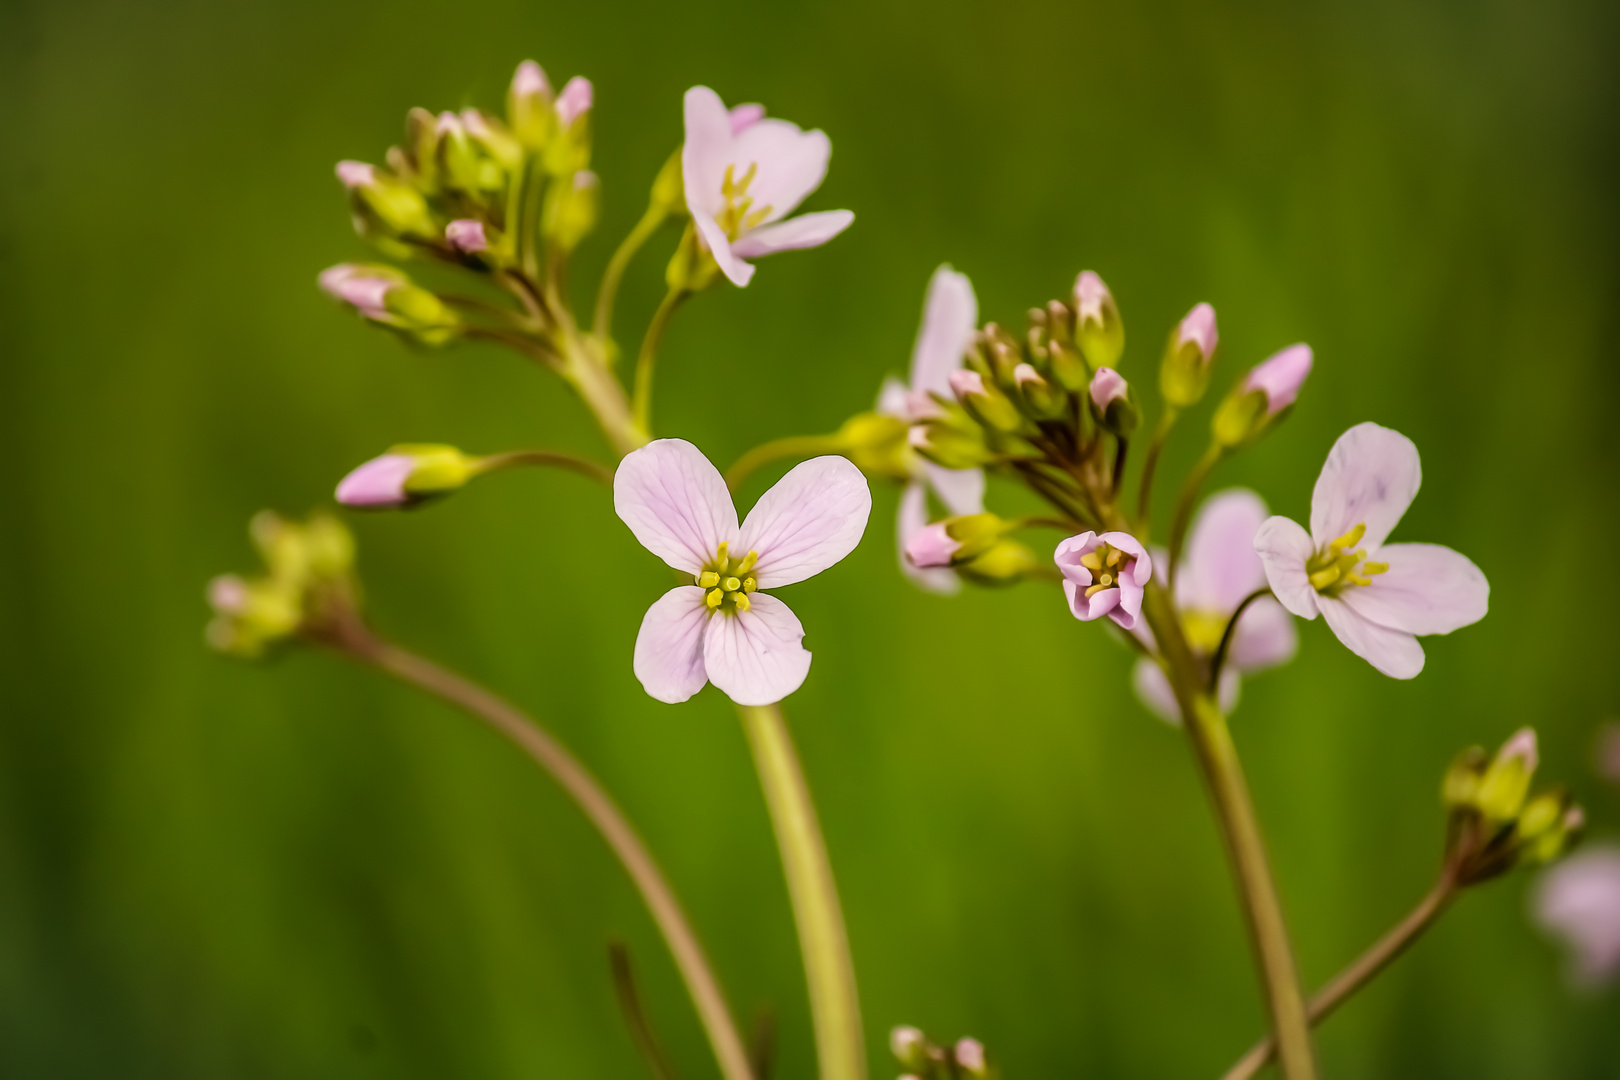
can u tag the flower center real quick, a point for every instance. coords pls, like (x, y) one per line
(1335, 568)
(728, 581)
(1106, 564)
(739, 216)
(1204, 629)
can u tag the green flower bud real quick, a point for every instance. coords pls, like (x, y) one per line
(692, 268)
(985, 401)
(407, 475)
(877, 444)
(1099, 331)
(952, 439)
(1041, 399)
(1460, 788)
(310, 569)
(529, 110)
(1184, 373)
(1506, 782)
(1006, 562)
(669, 188)
(571, 209)
(384, 205)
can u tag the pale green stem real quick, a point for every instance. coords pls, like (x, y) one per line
(828, 969)
(794, 446)
(1150, 466)
(1185, 502)
(649, 355)
(556, 459)
(601, 326)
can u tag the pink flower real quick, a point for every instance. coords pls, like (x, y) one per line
(1106, 386)
(1376, 597)
(1280, 377)
(950, 314)
(744, 174)
(1198, 327)
(574, 100)
(721, 630)
(1104, 575)
(378, 484)
(1219, 569)
(353, 285)
(1579, 900)
(465, 234)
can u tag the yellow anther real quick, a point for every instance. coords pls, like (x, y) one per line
(1353, 578)
(730, 186)
(1351, 538)
(708, 579)
(720, 556)
(1091, 561)
(1323, 578)
(753, 220)
(714, 597)
(731, 584)
(1106, 580)
(1114, 555)
(1375, 568)
(749, 584)
(748, 562)
(743, 603)
(1094, 590)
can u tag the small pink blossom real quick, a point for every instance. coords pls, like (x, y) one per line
(1104, 575)
(905, 1041)
(465, 234)
(744, 175)
(574, 101)
(1107, 386)
(1578, 900)
(1280, 377)
(353, 285)
(1090, 296)
(721, 630)
(1198, 327)
(1376, 597)
(378, 484)
(931, 546)
(356, 174)
(969, 1054)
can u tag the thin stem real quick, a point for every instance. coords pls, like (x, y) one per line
(1361, 972)
(1219, 658)
(596, 804)
(828, 969)
(794, 446)
(529, 347)
(649, 355)
(528, 227)
(601, 325)
(1150, 465)
(1185, 502)
(583, 466)
(1119, 464)
(635, 1016)
(603, 394)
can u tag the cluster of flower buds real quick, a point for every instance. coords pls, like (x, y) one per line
(1495, 823)
(309, 579)
(924, 1060)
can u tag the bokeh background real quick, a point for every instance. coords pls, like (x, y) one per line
(210, 868)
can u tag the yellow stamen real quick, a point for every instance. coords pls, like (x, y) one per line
(732, 584)
(743, 603)
(1091, 561)
(1094, 590)
(1356, 579)
(1351, 538)
(752, 221)
(720, 556)
(1323, 578)
(749, 584)
(714, 597)
(748, 562)
(1375, 568)
(708, 579)
(1114, 555)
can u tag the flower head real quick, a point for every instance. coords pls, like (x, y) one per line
(1280, 377)
(1579, 900)
(1104, 575)
(744, 174)
(1376, 597)
(721, 629)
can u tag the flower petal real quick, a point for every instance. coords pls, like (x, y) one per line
(669, 646)
(675, 502)
(949, 315)
(791, 163)
(1221, 566)
(706, 152)
(756, 657)
(1579, 900)
(1153, 690)
(804, 231)
(1392, 652)
(1371, 476)
(737, 272)
(1429, 589)
(810, 519)
(891, 400)
(913, 519)
(1283, 548)
(961, 490)
(1265, 637)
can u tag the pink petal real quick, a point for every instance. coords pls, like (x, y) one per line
(356, 174)
(575, 99)
(1392, 652)
(891, 400)
(810, 519)
(675, 502)
(1153, 690)
(378, 484)
(913, 519)
(1579, 900)
(1106, 386)
(744, 117)
(669, 646)
(1283, 548)
(465, 234)
(706, 152)
(1088, 608)
(1370, 477)
(1067, 557)
(790, 164)
(1280, 377)
(756, 657)
(1265, 637)
(1199, 328)
(931, 546)
(1429, 589)
(1090, 294)
(529, 79)
(804, 231)
(950, 314)
(961, 490)
(714, 238)
(1220, 567)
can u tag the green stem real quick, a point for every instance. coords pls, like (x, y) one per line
(603, 395)
(510, 458)
(601, 326)
(1219, 659)
(827, 965)
(1150, 465)
(635, 1015)
(528, 226)
(794, 446)
(1185, 502)
(649, 355)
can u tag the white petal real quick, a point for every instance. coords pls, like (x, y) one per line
(891, 399)
(706, 152)
(1265, 637)
(669, 647)
(1153, 690)
(714, 238)
(675, 502)
(949, 316)
(961, 490)
(1221, 567)
(1429, 589)
(804, 231)
(1371, 476)
(1283, 548)
(756, 657)
(913, 516)
(1392, 652)
(811, 518)
(790, 164)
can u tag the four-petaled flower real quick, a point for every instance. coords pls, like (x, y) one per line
(949, 317)
(1104, 575)
(744, 173)
(1375, 596)
(720, 629)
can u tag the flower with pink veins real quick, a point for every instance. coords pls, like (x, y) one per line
(744, 173)
(1579, 901)
(1376, 597)
(1219, 570)
(949, 316)
(721, 629)
(1104, 575)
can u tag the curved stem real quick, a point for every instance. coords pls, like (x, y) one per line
(1185, 501)
(1119, 465)
(601, 324)
(828, 968)
(596, 804)
(1219, 658)
(794, 446)
(635, 1016)
(585, 467)
(649, 355)
(1359, 973)
(1150, 465)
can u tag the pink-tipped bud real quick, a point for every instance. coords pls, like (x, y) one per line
(1522, 746)
(378, 484)
(465, 234)
(1107, 386)
(574, 100)
(350, 284)
(969, 1054)
(530, 80)
(228, 594)
(1090, 294)
(966, 383)
(744, 117)
(917, 437)
(1280, 377)
(931, 545)
(907, 1043)
(449, 124)
(1025, 375)
(356, 174)
(1199, 329)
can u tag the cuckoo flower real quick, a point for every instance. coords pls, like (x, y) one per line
(744, 173)
(1375, 596)
(1104, 575)
(721, 629)
(1579, 900)
(1219, 569)
(949, 315)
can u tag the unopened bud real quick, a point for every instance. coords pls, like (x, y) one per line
(1006, 562)
(528, 106)
(910, 1048)
(1042, 399)
(405, 476)
(969, 1054)
(571, 210)
(1184, 374)
(384, 205)
(1099, 331)
(1506, 782)
(1110, 396)
(385, 296)
(669, 187)
(877, 444)
(463, 165)
(1460, 788)
(570, 150)
(955, 540)
(466, 235)
(985, 401)
(493, 138)
(574, 101)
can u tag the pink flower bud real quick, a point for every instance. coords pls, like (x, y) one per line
(1280, 377)
(348, 283)
(1522, 746)
(904, 1041)
(356, 174)
(574, 100)
(744, 117)
(1090, 294)
(530, 79)
(1199, 329)
(966, 384)
(465, 234)
(969, 1055)
(1107, 386)
(1026, 375)
(917, 437)
(378, 484)
(931, 545)
(449, 124)
(228, 594)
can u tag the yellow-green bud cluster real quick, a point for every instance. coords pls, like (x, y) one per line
(309, 576)
(877, 444)
(924, 1059)
(1496, 823)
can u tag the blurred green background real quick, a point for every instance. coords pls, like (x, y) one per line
(210, 868)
